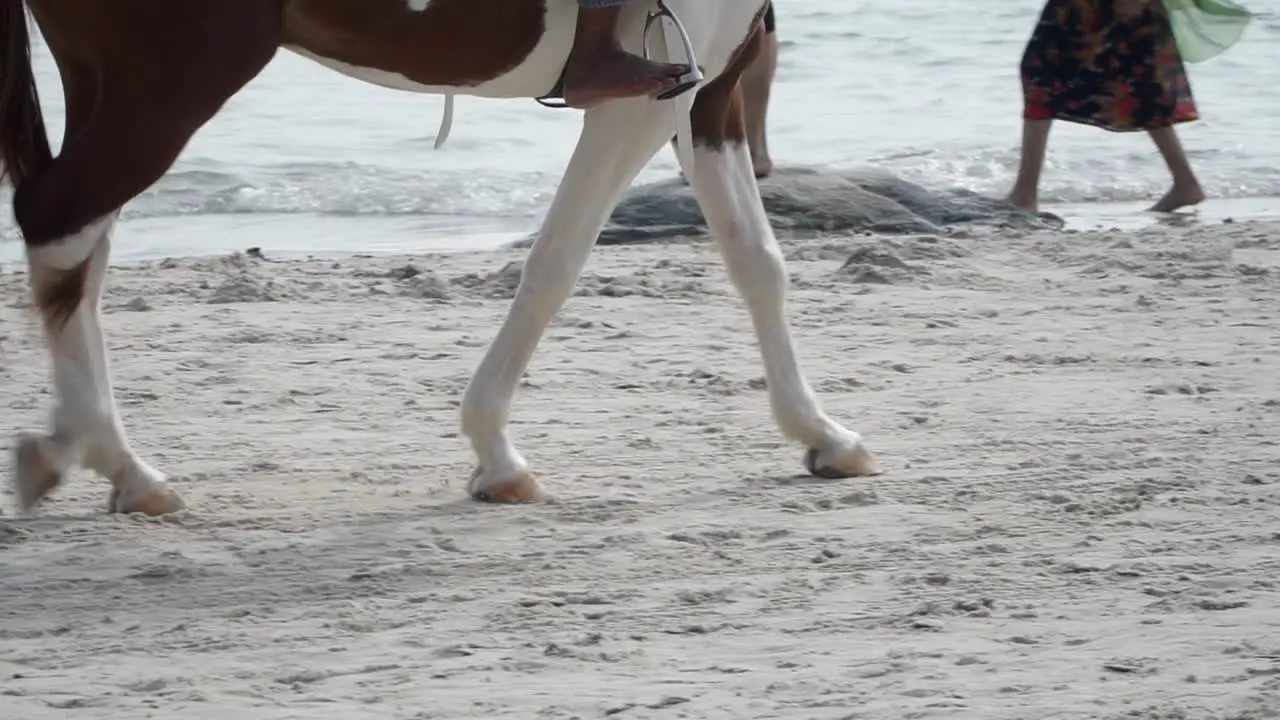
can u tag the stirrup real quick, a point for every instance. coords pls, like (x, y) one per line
(686, 82)
(693, 76)
(555, 97)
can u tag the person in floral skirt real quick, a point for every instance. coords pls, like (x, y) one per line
(1112, 64)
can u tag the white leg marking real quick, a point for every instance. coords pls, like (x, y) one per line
(418, 5)
(86, 427)
(71, 250)
(724, 182)
(617, 140)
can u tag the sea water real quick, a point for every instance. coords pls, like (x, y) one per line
(304, 160)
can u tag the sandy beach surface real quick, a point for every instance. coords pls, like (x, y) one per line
(1079, 518)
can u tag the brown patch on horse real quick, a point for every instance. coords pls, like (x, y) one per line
(59, 292)
(718, 116)
(135, 96)
(24, 152)
(454, 43)
(24, 142)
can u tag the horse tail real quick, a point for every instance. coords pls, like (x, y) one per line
(24, 142)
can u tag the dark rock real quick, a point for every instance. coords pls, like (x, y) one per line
(804, 200)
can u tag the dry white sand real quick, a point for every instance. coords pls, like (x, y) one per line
(1080, 515)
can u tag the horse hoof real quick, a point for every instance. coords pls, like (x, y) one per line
(838, 463)
(159, 500)
(524, 488)
(34, 477)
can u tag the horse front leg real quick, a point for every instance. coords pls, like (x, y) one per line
(723, 180)
(617, 140)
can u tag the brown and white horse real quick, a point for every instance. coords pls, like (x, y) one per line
(140, 77)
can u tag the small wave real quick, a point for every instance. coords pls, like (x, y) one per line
(347, 189)
(352, 189)
(343, 189)
(1080, 178)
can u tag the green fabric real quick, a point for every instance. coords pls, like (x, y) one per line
(1204, 29)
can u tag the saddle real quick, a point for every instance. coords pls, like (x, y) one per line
(687, 81)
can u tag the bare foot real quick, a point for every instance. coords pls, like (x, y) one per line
(1179, 197)
(1030, 203)
(611, 73)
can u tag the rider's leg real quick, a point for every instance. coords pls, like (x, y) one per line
(600, 70)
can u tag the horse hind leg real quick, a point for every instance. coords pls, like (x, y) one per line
(617, 140)
(67, 212)
(86, 430)
(723, 180)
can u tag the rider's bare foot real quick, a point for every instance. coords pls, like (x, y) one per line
(1179, 197)
(610, 73)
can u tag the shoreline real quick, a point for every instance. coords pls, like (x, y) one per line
(302, 235)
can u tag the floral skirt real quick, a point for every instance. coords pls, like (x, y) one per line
(1086, 65)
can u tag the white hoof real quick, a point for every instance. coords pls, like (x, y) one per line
(845, 460)
(156, 499)
(34, 476)
(519, 488)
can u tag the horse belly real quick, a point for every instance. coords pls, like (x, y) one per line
(487, 48)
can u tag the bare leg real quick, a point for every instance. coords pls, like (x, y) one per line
(1035, 143)
(757, 84)
(617, 140)
(599, 69)
(1186, 189)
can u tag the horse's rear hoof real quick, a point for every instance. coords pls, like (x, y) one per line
(34, 477)
(838, 463)
(160, 499)
(522, 489)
